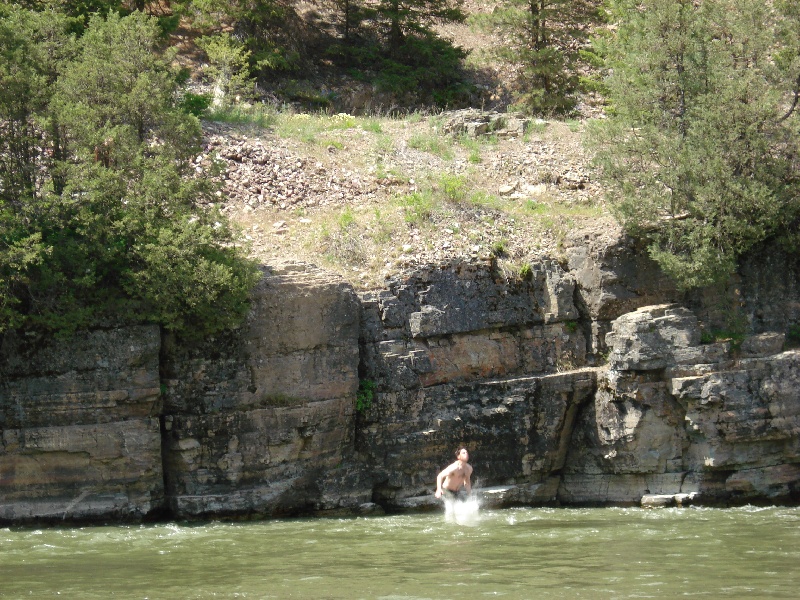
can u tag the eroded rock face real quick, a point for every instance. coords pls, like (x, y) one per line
(674, 417)
(461, 355)
(255, 420)
(514, 428)
(613, 276)
(262, 421)
(80, 429)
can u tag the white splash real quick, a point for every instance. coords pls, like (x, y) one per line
(462, 512)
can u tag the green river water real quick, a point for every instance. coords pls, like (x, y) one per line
(609, 553)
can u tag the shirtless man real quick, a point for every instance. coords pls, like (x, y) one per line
(454, 481)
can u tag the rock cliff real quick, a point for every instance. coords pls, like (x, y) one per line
(80, 426)
(587, 380)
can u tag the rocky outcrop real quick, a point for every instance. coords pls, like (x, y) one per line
(613, 276)
(255, 420)
(461, 355)
(582, 381)
(476, 123)
(677, 419)
(80, 429)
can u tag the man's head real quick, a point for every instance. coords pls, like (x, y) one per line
(462, 454)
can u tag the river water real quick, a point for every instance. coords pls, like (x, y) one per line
(526, 553)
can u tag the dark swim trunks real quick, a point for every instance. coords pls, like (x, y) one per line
(457, 495)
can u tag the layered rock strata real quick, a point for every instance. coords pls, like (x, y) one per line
(672, 417)
(80, 426)
(256, 418)
(462, 355)
(583, 382)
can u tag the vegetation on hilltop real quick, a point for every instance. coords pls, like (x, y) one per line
(111, 210)
(701, 150)
(102, 219)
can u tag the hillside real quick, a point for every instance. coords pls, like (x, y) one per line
(368, 195)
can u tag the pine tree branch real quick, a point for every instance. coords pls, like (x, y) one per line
(794, 102)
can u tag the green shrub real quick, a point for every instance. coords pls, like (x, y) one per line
(346, 218)
(417, 207)
(365, 395)
(115, 229)
(500, 248)
(453, 187)
(431, 143)
(195, 104)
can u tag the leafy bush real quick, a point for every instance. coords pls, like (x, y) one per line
(365, 395)
(195, 104)
(103, 219)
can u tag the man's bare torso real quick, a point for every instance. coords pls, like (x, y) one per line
(458, 476)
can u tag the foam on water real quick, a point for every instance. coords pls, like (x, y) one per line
(462, 512)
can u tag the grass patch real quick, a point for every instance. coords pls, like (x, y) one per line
(308, 127)
(432, 144)
(574, 125)
(500, 248)
(481, 199)
(454, 188)
(417, 207)
(372, 126)
(475, 146)
(258, 115)
(281, 400)
(341, 242)
(346, 218)
(382, 230)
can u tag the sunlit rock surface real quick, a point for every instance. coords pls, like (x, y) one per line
(588, 380)
(256, 420)
(672, 416)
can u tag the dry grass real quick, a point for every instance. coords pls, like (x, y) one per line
(433, 196)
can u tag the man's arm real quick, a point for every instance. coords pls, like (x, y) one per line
(440, 480)
(468, 481)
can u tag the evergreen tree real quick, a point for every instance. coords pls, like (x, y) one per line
(269, 31)
(102, 216)
(701, 147)
(414, 17)
(549, 41)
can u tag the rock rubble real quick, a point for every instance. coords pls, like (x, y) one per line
(261, 171)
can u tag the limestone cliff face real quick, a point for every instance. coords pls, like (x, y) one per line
(589, 381)
(462, 355)
(673, 420)
(254, 420)
(80, 428)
